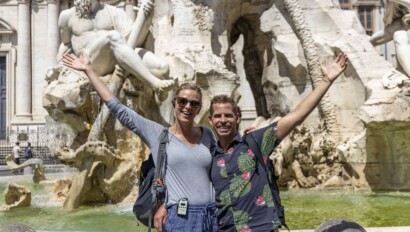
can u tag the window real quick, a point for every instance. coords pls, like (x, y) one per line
(365, 16)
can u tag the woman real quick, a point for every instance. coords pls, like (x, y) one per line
(188, 153)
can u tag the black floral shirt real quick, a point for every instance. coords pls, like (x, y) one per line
(243, 197)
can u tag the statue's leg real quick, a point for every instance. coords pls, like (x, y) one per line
(131, 61)
(154, 64)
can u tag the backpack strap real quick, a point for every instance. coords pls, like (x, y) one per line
(159, 174)
(254, 146)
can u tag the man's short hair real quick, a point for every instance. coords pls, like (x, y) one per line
(221, 99)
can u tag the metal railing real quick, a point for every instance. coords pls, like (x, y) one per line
(39, 150)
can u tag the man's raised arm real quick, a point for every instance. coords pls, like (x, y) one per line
(297, 116)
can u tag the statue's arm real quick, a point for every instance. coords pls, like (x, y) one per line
(65, 33)
(142, 24)
(380, 37)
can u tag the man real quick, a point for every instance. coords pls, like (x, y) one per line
(16, 152)
(244, 200)
(99, 31)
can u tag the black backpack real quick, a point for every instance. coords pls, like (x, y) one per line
(254, 146)
(151, 193)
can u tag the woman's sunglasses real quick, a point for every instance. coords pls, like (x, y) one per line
(184, 101)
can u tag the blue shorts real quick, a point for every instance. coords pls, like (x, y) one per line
(199, 218)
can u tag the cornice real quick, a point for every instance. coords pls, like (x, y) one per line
(111, 2)
(52, 1)
(23, 1)
(6, 28)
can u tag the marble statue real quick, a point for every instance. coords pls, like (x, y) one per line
(16, 196)
(397, 23)
(100, 31)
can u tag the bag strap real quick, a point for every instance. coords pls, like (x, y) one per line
(158, 181)
(253, 144)
(159, 168)
(251, 141)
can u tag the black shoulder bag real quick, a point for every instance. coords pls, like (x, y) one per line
(151, 193)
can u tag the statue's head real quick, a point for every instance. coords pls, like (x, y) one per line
(83, 7)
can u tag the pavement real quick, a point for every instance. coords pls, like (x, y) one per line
(371, 229)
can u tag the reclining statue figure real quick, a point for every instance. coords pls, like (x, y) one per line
(100, 31)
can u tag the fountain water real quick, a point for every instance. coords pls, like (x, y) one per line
(304, 208)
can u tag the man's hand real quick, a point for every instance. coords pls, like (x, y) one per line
(81, 64)
(333, 70)
(160, 217)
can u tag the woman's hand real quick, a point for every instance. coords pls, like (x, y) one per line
(160, 217)
(81, 64)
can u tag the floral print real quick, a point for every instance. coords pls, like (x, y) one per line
(260, 201)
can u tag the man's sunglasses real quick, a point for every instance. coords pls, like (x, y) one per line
(184, 101)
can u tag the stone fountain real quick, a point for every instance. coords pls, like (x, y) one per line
(356, 139)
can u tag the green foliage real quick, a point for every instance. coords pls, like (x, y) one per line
(241, 219)
(268, 142)
(245, 162)
(239, 187)
(267, 195)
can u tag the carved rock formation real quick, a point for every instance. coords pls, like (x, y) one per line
(16, 196)
(86, 136)
(60, 189)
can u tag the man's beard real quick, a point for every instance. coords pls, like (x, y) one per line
(82, 8)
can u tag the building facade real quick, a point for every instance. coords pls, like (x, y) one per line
(371, 13)
(29, 42)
